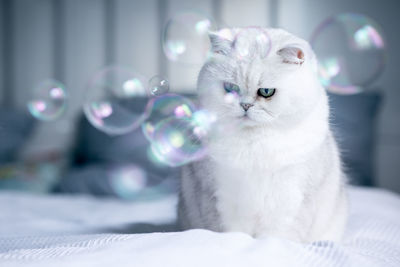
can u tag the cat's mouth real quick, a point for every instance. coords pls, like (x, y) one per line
(246, 121)
(245, 117)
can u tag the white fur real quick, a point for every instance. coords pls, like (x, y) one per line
(276, 171)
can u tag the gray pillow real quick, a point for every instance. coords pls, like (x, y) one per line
(353, 121)
(15, 128)
(96, 152)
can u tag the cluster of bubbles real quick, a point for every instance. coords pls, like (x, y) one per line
(351, 52)
(117, 102)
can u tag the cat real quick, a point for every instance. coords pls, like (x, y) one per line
(273, 167)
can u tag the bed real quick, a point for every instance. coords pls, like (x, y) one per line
(78, 230)
(81, 222)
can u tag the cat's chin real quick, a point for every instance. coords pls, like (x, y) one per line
(247, 122)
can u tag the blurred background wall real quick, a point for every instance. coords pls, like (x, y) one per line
(70, 40)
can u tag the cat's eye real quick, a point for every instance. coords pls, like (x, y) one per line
(266, 92)
(231, 87)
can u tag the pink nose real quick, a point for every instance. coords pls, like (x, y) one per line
(246, 106)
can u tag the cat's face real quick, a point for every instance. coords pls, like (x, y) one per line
(277, 89)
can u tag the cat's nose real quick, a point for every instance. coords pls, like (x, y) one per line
(246, 106)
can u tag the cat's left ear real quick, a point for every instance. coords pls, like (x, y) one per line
(221, 41)
(293, 54)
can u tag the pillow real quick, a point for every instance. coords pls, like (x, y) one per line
(353, 121)
(15, 128)
(96, 155)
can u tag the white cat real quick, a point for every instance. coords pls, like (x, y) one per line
(273, 167)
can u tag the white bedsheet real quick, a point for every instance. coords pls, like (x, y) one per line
(79, 231)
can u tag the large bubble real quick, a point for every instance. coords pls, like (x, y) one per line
(48, 100)
(185, 38)
(177, 141)
(176, 129)
(115, 100)
(164, 107)
(204, 121)
(351, 52)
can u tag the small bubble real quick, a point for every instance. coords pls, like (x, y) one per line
(48, 101)
(158, 86)
(127, 181)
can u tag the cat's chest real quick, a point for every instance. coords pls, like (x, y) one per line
(249, 158)
(249, 196)
(250, 174)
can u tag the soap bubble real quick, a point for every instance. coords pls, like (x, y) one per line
(164, 107)
(250, 42)
(148, 130)
(115, 100)
(176, 129)
(185, 38)
(203, 122)
(177, 141)
(48, 100)
(231, 97)
(154, 159)
(351, 52)
(127, 181)
(158, 86)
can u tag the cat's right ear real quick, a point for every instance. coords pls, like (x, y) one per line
(221, 41)
(292, 54)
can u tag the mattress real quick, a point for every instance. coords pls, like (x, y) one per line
(74, 230)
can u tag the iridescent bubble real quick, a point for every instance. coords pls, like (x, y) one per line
(154, 159)
(250, 42)
(148, 130)
(48, 100)
(158, 85)
(231, 97)
(127, 181)
(185, 38)
(115, 100)
(351, 52)
(164, 107)
(177, 141)
(203, 122)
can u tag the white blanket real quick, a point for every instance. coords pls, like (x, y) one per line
(56, 231)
